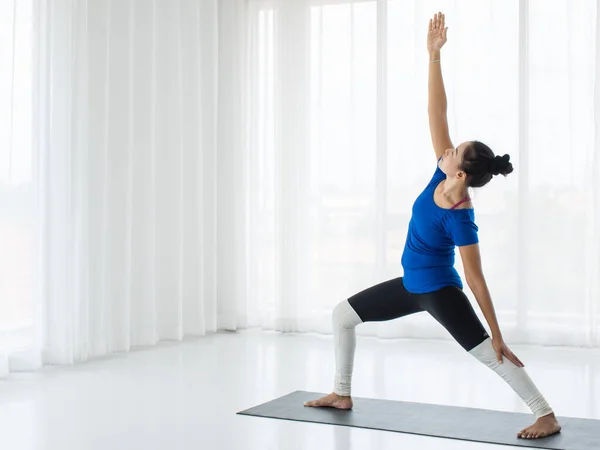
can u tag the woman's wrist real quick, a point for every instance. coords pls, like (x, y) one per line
(434, 55)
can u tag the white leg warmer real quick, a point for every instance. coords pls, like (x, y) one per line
(515, 376)
(344, 321)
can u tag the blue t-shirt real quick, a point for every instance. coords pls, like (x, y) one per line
(433, 232)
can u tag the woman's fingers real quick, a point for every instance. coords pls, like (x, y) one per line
(499, 357)
(438, 22)
(510, 355)
(519, 363)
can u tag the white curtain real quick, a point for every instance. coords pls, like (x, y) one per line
(127, 93)
(174, 167)
(122, 131)
(18, 209)
(339, 148)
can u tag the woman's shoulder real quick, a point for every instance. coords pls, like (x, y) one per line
(468, 205)
(461, 215)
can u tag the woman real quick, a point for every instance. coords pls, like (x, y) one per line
(442, 219)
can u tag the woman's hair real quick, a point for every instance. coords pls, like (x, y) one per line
(480, 164)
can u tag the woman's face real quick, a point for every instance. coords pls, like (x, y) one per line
(451, 160)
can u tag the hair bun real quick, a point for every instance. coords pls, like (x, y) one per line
(501, 165)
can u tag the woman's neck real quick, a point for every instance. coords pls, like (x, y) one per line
(454, 190)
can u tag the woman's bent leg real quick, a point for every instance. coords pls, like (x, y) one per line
(385, 301)
(344, 321)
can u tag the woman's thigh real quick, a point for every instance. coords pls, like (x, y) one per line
(384, 301)
(453, 310)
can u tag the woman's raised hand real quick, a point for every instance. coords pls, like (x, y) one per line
(436, 35)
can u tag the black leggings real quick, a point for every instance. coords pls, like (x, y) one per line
(449, 306)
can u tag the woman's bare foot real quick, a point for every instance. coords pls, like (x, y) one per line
(543, 427)
(332, 401)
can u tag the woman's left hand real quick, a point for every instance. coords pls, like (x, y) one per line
(502, 349)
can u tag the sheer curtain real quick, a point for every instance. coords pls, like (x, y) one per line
(339, 148)
(18, 208)
(120, 167)
(127, 97)
(108, 170)
(170, 168)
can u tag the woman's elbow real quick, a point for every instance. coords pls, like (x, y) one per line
(438, 111)
(475, 281)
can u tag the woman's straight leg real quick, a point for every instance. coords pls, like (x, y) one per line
(453, 310)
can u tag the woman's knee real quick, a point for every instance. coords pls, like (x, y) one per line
(345, 316)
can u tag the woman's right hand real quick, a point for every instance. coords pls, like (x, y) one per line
(436, 35)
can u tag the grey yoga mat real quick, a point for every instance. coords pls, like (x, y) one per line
(468, 424)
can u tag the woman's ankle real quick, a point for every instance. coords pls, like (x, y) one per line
(341, 396)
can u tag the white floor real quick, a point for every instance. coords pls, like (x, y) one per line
(185, 396)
